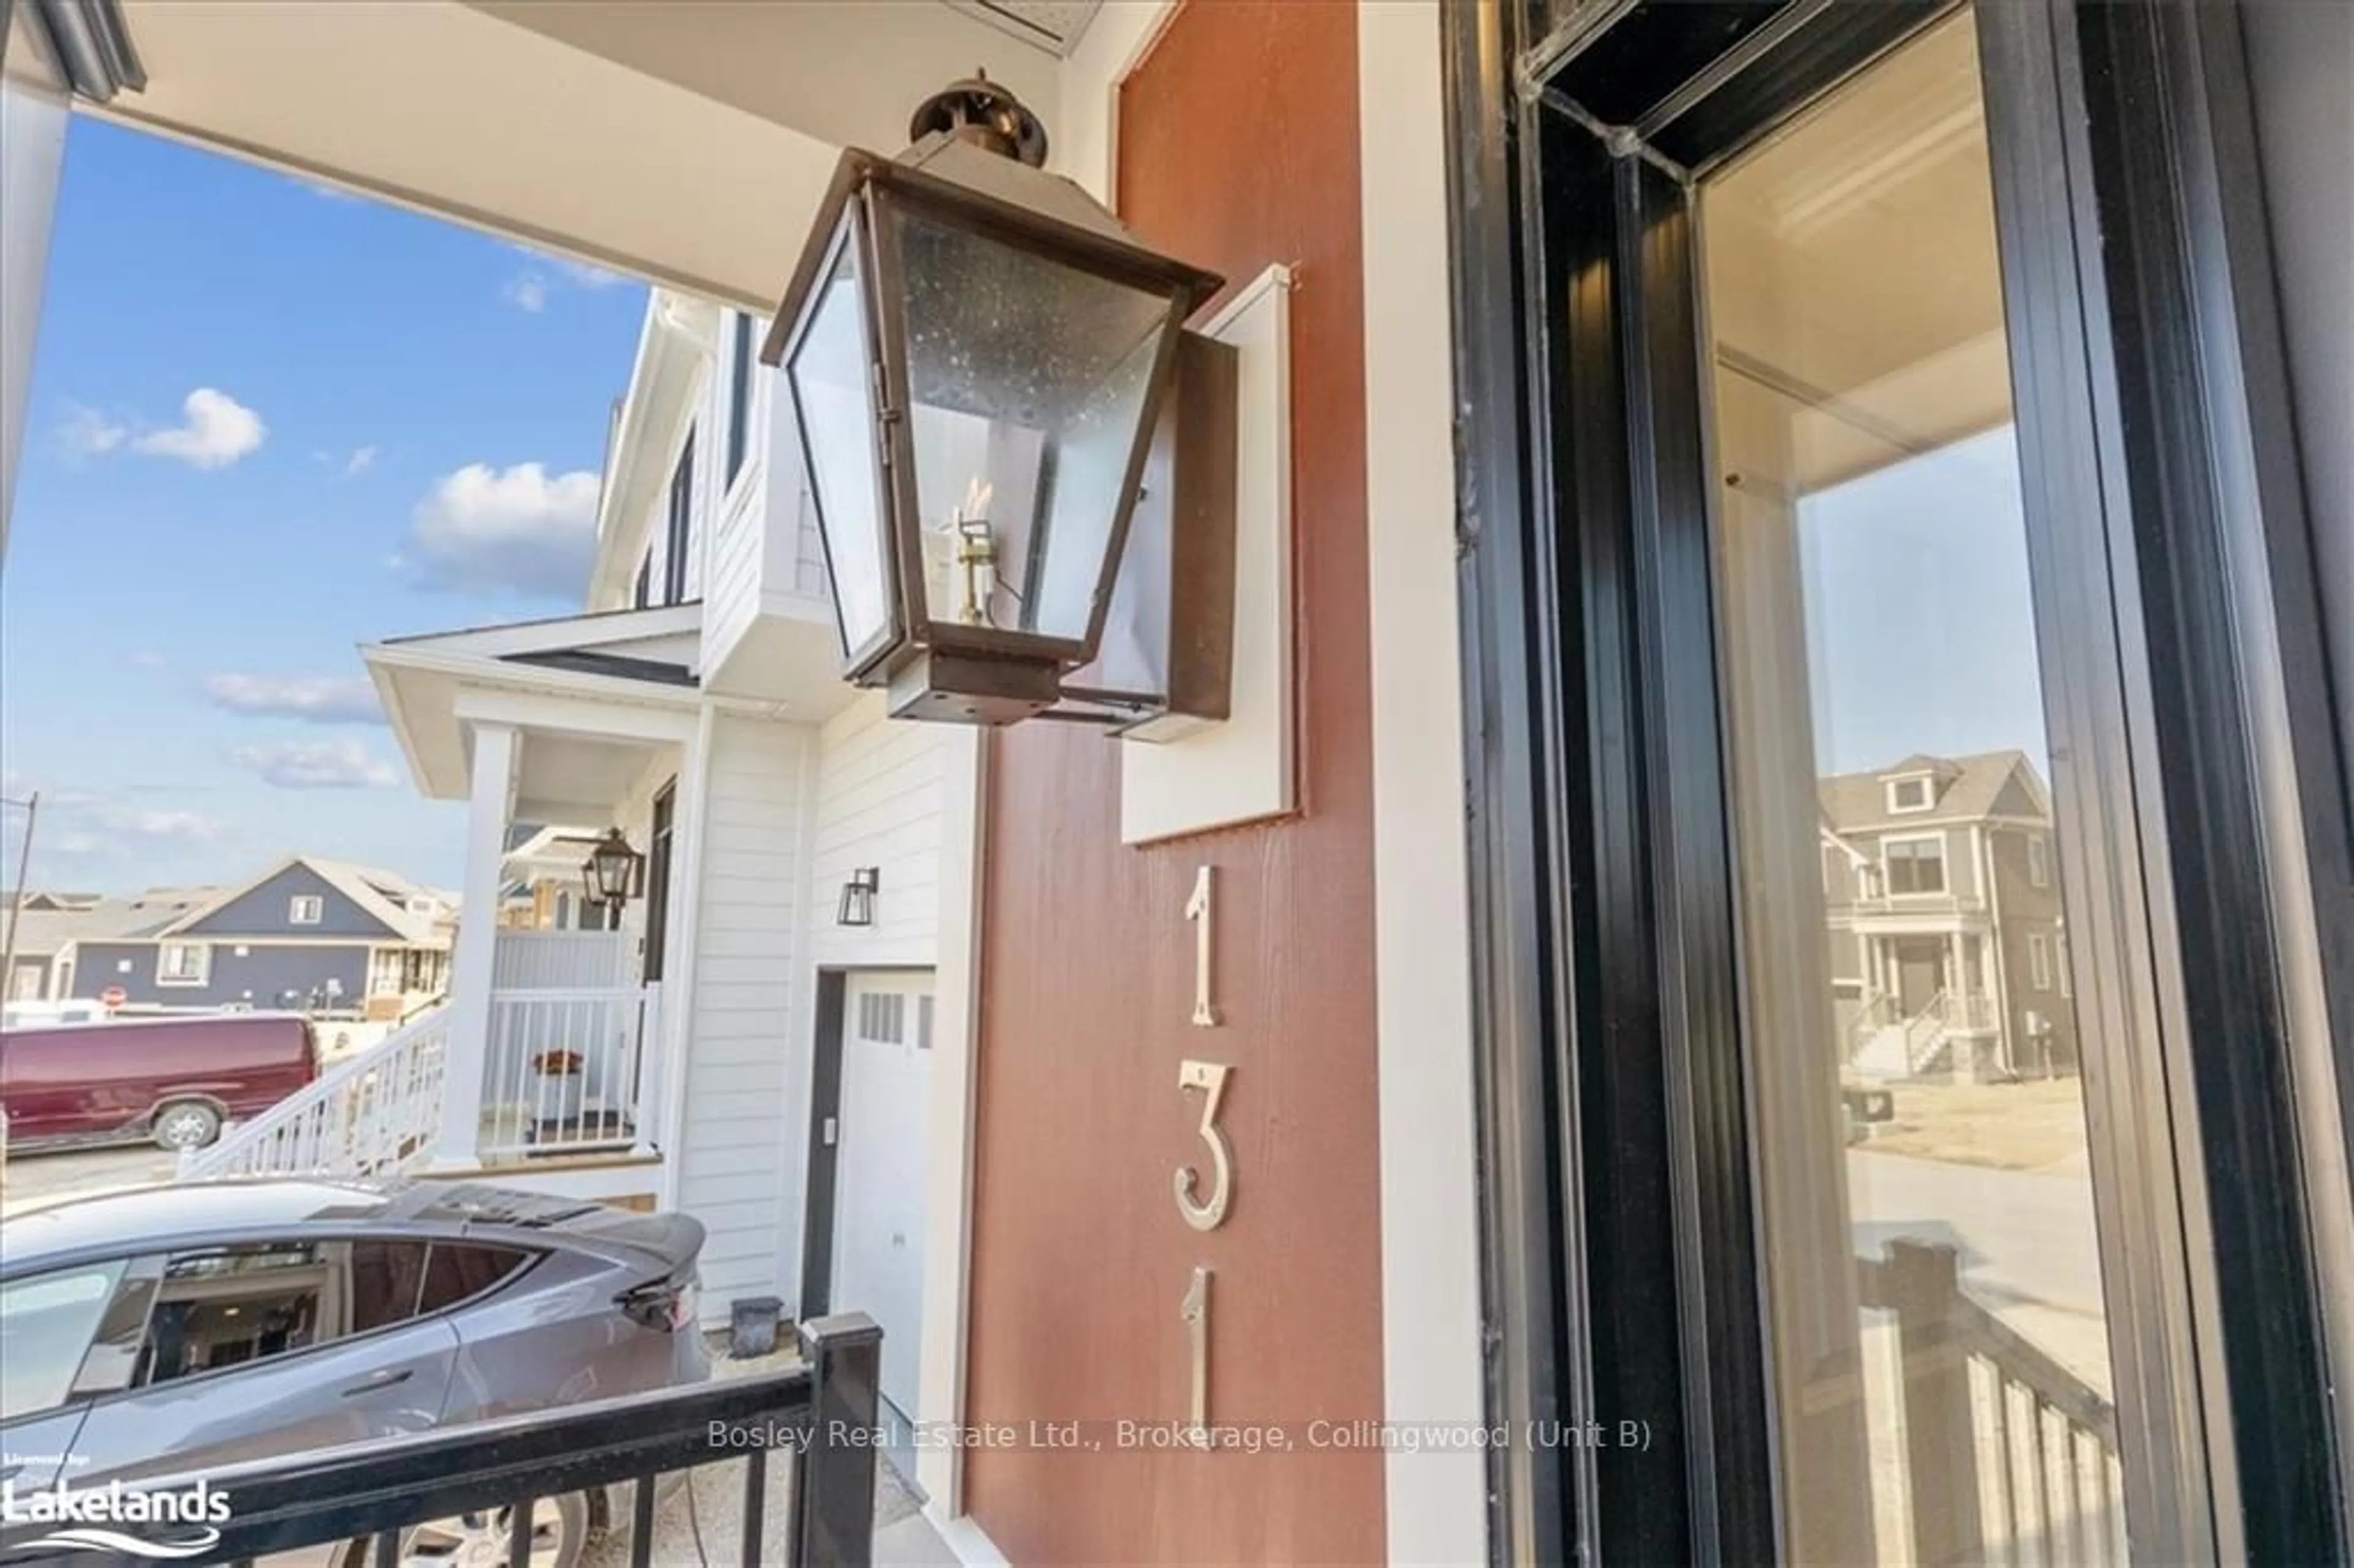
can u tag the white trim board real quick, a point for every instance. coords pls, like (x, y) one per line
(1432, 1372)
(1244, 769)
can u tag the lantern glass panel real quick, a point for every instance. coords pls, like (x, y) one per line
(1029, 381)
(833, 377)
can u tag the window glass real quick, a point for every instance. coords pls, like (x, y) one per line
(739, 396)
(680, 526)
(458, 1273)
(46, 1323)
(229, 1306)
(386, 1279)
(113, 1360)
(183, 962)
(1916, 865)
(1940, 1334)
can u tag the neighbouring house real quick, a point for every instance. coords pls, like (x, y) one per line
(53, 933)
(309, 933)
(743, 1041)
(49, 930)
(544, 891)
(1949, 950)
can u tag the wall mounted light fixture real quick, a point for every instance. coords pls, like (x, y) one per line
(858, 907)
(614, 872)
(990, 374)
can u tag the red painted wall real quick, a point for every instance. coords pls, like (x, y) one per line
(1238, 148)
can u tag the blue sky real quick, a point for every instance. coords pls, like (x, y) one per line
(1920, 631)
(269, 423)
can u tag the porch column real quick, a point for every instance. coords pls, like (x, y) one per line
(33, 113)
(496, 746)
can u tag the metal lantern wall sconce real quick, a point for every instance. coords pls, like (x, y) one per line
(858, 907)
(614, 872)
(1012, 443)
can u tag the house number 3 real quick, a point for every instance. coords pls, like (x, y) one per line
(1210, 1077)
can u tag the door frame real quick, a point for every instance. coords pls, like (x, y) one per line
(2184, 670)
(832, 1019)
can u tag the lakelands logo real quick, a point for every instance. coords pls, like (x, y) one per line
(173, 1524)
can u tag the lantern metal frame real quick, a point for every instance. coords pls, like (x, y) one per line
(856, 905)
(593, 883)
(937, 667)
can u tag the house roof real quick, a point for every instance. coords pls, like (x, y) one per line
(43, 932)
(384, 895)
(1969, 789)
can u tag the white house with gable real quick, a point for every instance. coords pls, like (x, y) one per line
(749, 1042)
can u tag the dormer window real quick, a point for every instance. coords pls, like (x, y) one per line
(305, 909)
(1910, 794)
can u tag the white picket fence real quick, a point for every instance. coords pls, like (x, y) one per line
(375, 1113)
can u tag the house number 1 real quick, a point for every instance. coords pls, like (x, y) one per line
(1195, 1311)
(1197, 910)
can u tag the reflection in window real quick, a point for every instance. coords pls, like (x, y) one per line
(46, 1324)
(1940, 1341)
(219, 1309)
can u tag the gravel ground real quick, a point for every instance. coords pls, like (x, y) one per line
(703, 1523)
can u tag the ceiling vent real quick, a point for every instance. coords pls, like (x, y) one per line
(1053, 25)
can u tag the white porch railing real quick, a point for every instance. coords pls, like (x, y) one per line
(571, 1069)
(372, 1114)
(543, 961)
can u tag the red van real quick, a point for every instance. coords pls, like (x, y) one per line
(174, 1080)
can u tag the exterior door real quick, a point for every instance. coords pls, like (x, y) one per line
(881, 1168)
(1866, 421)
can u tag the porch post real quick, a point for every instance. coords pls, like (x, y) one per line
(467, 1052)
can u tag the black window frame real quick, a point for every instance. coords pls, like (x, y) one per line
(659, 848)
(1619, 1259)
(678, 525)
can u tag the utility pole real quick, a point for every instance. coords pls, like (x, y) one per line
(32, 805)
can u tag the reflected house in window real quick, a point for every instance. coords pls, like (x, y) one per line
(1947, 946)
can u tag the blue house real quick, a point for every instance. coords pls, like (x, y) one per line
(307, 933)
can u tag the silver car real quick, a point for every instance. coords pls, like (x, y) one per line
(179, 1328)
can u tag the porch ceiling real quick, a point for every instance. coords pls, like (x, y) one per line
(570, 779)
(586, 727)
(686, 140)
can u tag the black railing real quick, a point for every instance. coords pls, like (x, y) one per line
(819, 1417)
(2009, 1457)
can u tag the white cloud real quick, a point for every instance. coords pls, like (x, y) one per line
(550, 274)
(83, 837)
(315, 699)
(584, 275)
(216, 431)
(167, 827)
(317, 764)
(148, 658)
(362, 459)
(88, 433)
(516, 530)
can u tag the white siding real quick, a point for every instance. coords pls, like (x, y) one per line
(878, 803)
(748, 1064)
